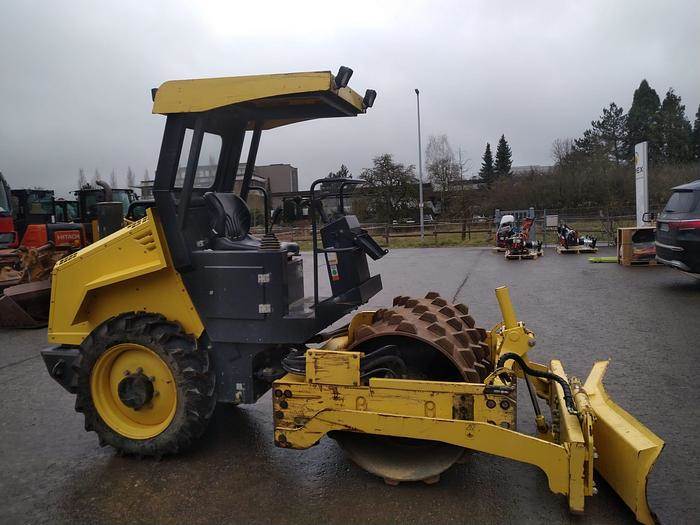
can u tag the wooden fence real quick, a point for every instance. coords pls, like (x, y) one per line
(470, 232)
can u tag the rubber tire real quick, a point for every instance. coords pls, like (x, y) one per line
(194, 379)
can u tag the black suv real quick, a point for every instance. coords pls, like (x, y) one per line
(678, 229)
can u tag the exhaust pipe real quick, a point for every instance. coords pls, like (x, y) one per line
(107, 189)
(110, 217)
(110, 214)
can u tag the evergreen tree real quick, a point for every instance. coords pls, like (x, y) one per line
(334, 187)
(487, 172)
(342, 173)
(588, 147)
(642, 120)
(605, 140)
(674, 130)
(504, 158)
(695, 139)
(610, 131)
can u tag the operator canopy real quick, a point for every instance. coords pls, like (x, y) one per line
(270, 100)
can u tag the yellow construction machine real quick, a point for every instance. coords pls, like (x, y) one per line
(157, 322)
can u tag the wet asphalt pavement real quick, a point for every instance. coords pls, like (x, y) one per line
(646, 319)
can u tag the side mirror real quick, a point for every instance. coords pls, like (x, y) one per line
(649, 216)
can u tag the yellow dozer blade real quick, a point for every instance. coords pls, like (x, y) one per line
(627, 450)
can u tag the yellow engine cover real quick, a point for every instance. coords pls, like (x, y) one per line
(127, 271)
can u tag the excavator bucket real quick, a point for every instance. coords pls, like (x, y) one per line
(25, 305)
(626, 448)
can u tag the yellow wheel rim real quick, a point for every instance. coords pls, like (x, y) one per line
(111, 368)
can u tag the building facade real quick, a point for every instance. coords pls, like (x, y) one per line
(282, 178)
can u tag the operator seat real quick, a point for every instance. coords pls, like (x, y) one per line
(230, 224)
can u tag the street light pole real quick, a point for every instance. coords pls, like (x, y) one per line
(420, 171)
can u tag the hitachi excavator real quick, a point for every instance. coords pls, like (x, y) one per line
(154, 324)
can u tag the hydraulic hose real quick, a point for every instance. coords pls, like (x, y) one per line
(533, 396)
(292, 369)
(385, 360)
(568, 398)
(378, 360)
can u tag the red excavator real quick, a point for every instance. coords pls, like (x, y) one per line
(8, 234)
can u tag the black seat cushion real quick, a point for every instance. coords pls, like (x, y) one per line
(229, 215)
(224, 243)
(249, 243)
(230, 224)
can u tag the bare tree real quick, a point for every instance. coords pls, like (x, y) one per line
(130, 178)
(561, 149)
(96, 176)
(82, 179)
(464, 165)
(113, 179)
(443, 169)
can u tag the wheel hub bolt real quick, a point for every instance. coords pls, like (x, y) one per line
(136, 390)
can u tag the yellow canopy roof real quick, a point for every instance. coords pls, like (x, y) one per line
(273, 100)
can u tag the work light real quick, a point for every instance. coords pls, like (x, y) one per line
(343, 77)
(369, 97)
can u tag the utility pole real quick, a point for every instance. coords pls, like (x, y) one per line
(420, 171)
(461, 186)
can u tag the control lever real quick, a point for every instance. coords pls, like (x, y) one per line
(276, 214)
(319, 208)
(367, 244)
(266, 201)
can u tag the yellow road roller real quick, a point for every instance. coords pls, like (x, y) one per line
(153, 325)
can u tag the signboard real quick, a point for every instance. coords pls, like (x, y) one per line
(552, 221)
(65, 238)
(641, 183)
(518, 214)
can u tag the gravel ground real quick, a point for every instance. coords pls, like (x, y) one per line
(646, 319)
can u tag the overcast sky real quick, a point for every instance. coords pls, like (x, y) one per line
(75, 76)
